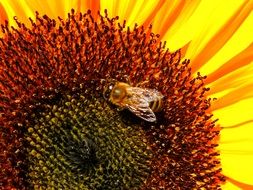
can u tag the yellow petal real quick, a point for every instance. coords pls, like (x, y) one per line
(234, 114)
(223, 20)
(17, 8)
(171, 16)
(241, 41)
(237, 71)
(141, 12)
(180, 33)
(235, 186)
(230, 186)
(235, 96)
(236, 148)
(53, 9)
(120, 8)
(233, 87)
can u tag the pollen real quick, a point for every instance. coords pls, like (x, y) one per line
(57, 131)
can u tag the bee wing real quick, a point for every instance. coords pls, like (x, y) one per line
(149, 95)
(139, 100)
(144, 112)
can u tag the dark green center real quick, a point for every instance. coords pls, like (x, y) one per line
(117, 156)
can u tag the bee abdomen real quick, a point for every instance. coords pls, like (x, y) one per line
(156, 106)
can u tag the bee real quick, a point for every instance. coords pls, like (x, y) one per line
(142, 102)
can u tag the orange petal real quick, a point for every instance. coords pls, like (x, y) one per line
(129, 9)
(95, 7)
(232, 184)
(151, 16)
(171, 13)
(43, 8)
(234, 96)
(171, 23)
(3, 14)
(133, 11)
(223, 35)
(240, 60)
(231, 81)
(166, 16)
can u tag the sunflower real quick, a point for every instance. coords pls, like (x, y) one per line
(59, 132)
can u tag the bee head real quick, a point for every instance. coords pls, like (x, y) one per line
(108, 89)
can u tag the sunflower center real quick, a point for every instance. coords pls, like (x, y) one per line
(59, 131)
(80, 139)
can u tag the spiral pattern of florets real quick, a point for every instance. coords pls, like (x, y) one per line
(57, 131)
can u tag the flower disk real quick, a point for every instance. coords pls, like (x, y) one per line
(57, 130)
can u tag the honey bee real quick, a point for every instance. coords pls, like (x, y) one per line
(142, 102)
